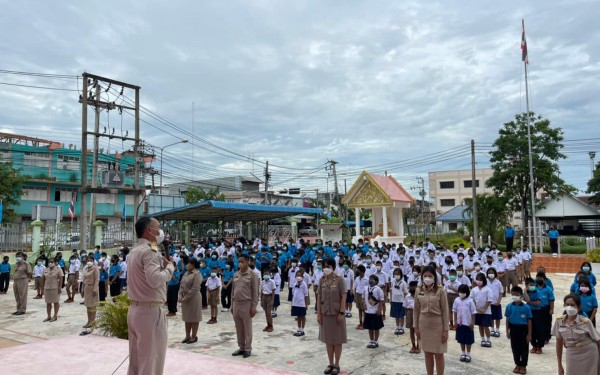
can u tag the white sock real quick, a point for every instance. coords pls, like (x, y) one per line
(487, 339)
(469, 354)
(464, 353)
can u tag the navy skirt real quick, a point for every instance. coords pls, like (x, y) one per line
(349, 298)
(483, 320)
(298, 311)
(397, 310)
(464, 335)
(276, 301)
(373, 322)
(496, 312)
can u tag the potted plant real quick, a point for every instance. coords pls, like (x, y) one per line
(112, 317)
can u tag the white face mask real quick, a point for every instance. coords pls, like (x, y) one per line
(293, 264)
(161, 237)
(327, 271)
(516, 298)
(89, 264)
(571, 310)
(299, 278)
(462, 295)
(398, 277)
(415, 274)
(491, 276)
(428, 280)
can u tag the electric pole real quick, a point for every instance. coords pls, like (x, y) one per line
(421, 181)
(592, 161)
(336, 201)
(474, 195)
(267, 178)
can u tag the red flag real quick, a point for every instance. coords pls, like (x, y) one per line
(72, 208)
(524, 56)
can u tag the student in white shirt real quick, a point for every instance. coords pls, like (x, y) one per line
(276, 277)
(38, 273)
(348, 276)
(213, 289)
(268, 288)
(496, 287)
(375, 301)
(123, 275)
(292, 270)
(483, 297)
(461, 278)
(512, 265)
(316, 278)
(399, 289)
(360, 284)
(464, 315)
(415, 275)
(451, 287)
(383, 282)
(299, 301)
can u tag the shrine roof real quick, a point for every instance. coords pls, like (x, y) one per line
(392, 188)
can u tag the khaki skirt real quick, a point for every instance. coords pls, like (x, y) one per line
(191, 310)
(331, 332)
(51, 296)
(431, 328)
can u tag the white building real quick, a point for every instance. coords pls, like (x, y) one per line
(448, 189)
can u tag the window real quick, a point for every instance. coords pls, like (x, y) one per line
(453, 226)
(446, 184)
(65, 194)
(129, 199)
(5, 156)
(104, 198)
(70, 163)
(469, 183)
(447, 202)
(36, 159)
(35, 193)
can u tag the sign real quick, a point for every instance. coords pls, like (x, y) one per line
(113, 179)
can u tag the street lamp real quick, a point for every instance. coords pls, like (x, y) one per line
(161, 160)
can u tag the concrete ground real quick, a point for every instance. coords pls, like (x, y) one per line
(281, 350)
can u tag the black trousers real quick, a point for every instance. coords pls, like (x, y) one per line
(554, 245)
(4, 281)
(226, 297)
(172, 296)
(102, 290)
(509, 244)
(65, 277)
(519, 345)
(115, 288)
(203, 292)
(538, 329)
(547, 322)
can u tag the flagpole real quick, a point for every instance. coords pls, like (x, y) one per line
(535, 244)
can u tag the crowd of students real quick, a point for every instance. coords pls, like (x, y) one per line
(474, 281)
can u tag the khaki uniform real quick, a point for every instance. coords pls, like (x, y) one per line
(91, 297)
(332, 292)
(244, 300)
(430, 316)
(581, 340)
(20, 284)
(52, 286)
(147, 322)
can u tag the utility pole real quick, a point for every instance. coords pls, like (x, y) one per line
(474, 195)
(336, 201)
(95, 157)
(592, 161)
(267, 178)
(421, 181)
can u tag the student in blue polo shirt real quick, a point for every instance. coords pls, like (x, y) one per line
(518, 329)
(586, 269)
(546, 303)
(4, 275)
(102, 280)
(173, 291)
(589, 303)
(532, 298)
(226, 282)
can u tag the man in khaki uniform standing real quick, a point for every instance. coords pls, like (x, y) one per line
(21, 279)
(147, 275)
(243, 305)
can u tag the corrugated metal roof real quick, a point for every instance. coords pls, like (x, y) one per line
(455, 214)
(216, 210)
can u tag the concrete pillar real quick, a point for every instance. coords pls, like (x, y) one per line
(98, 232)
(384, 218)
(357, 223)
(294, 223)
(249, 226)
(401, 223)
(36, 235)
(188, 233)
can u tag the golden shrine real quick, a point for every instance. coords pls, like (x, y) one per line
(386, 198)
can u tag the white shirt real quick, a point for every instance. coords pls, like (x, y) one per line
(348, 276)
(449, 284)
(213, 283)
(464, 280)
(464, 309)
(409, 301)
(481, 296)
(377, 294)
(307, 280)
(317, 275)
(399, 290)
(123, 270)
(267, 286)
(497, 289)
(360, 284)
(74, 266)
(38, 271)
(511, 264)
(299, 294)
(382, 278)
(277, 279)
(292, 275)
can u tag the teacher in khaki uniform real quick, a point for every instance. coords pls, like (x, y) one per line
(21, 279)
(147, 276)
(244, 301)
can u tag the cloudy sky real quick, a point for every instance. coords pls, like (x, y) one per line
(396, 86)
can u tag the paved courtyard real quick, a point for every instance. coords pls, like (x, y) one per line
(279, 349)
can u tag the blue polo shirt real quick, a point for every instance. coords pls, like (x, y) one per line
(546, 295)
(4, 267)
(553, 234)
(227, 275)
(518, 315)
(205, 272)
(534, 296)
(509, 232)
(176, 276)
(591, 278)
(588, 303)
(103, 275)
(113, 270)
(549, 284)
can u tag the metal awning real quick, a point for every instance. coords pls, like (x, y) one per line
(209, 211)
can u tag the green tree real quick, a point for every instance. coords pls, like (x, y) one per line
(594, 186)
(492, 213)
(195, 195)
(11, 190)
(510, 162)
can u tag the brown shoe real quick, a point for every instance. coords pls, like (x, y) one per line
(270, 329)
(533, 350)
(171, 314)
(539, 351)
(265, 329)
(517, 370)
(523, 370)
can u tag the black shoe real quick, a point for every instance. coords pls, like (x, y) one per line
(15, 313)
(247, 353)
(19, 313)
(238, 352)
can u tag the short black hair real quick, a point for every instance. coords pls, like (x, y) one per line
(464, 288)
(194, 262)
(374, 278)
(517, 289)
(141, 225)
(330, 262)
(244, 256)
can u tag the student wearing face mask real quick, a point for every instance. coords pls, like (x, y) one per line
(518, 329)
(431, 321)
(581, 340)
(331, 303)
(496, 307)
(586, 269)
(589, 303)
(291, 271)
(375, 299)
(90, 281)
(267, 297)
(483, 297)
(464, 311)
(52, 280)
(114, 271)
(213, 286)
(546, 303)
(300, 301)
(382, 283)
